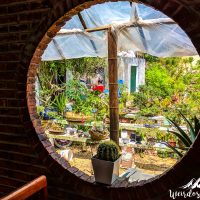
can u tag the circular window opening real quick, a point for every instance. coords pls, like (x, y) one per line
(121, 71)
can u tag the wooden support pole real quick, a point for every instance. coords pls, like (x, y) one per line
(113, 86)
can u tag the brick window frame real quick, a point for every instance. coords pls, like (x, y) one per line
(47, 29)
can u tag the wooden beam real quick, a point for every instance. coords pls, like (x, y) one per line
(113, 86)
(140, 22)
(82, 21)
(85, 27)
(38, 184)
(58, 48)
(151, 22)
(101, 28)
(89, 30)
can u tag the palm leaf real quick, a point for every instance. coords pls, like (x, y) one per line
(184, 140)
(192, 130)
(182, 132)
(60, 102)
(173, 148)
(196, 126)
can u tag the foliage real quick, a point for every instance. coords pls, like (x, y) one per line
(173, 149)
(47, 76)
(159, 81)
(83, 128)
(40, 109)
(85, 101)
(99, 105)
(60, 102)
(186, 137)
(78, 66)
(51, 75)
(155, 133)
(54, 115)
(76, 92)
(124, 97)
(171, 83)
(166, 154)
(84, 66)
(108, 151)
(145, 102)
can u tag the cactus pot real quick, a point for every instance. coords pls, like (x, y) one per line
(105, 172)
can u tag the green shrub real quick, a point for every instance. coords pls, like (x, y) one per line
(40, 109)
(60, 102)
(186, 137)
(86, 101)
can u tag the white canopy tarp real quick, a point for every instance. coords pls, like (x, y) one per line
(137, 27)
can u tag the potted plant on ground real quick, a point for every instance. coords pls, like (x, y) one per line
(172, 141)
(60, 102)
(106, 163)
(187, 137)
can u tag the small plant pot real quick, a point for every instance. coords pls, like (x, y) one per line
(105, 172)
(97, 135)
(172, 143)
(127, 160)
(124, 120)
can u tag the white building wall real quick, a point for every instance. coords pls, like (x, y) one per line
(124, 71)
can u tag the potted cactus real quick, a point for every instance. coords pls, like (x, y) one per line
(106, 163)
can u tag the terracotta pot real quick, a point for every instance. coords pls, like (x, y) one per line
(124, 120)
(172, 143)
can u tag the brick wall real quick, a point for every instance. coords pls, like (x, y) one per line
(24, 151)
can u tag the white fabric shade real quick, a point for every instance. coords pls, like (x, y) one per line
(138, 28)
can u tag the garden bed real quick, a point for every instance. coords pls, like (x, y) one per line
(149, 164)
(154, 163)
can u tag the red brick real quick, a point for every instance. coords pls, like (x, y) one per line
(8, 19)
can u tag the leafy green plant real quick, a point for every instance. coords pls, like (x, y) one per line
(84, 66)
(51, 75)
(54, 115)
(173, 149)
(170, 83)
(186, 137)
(85, 101)
(166, 154)
(40, 109)
(160, 135)
(76, 93)
(60, 103)
(83, 128)
(108, 151)
(123, 94)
